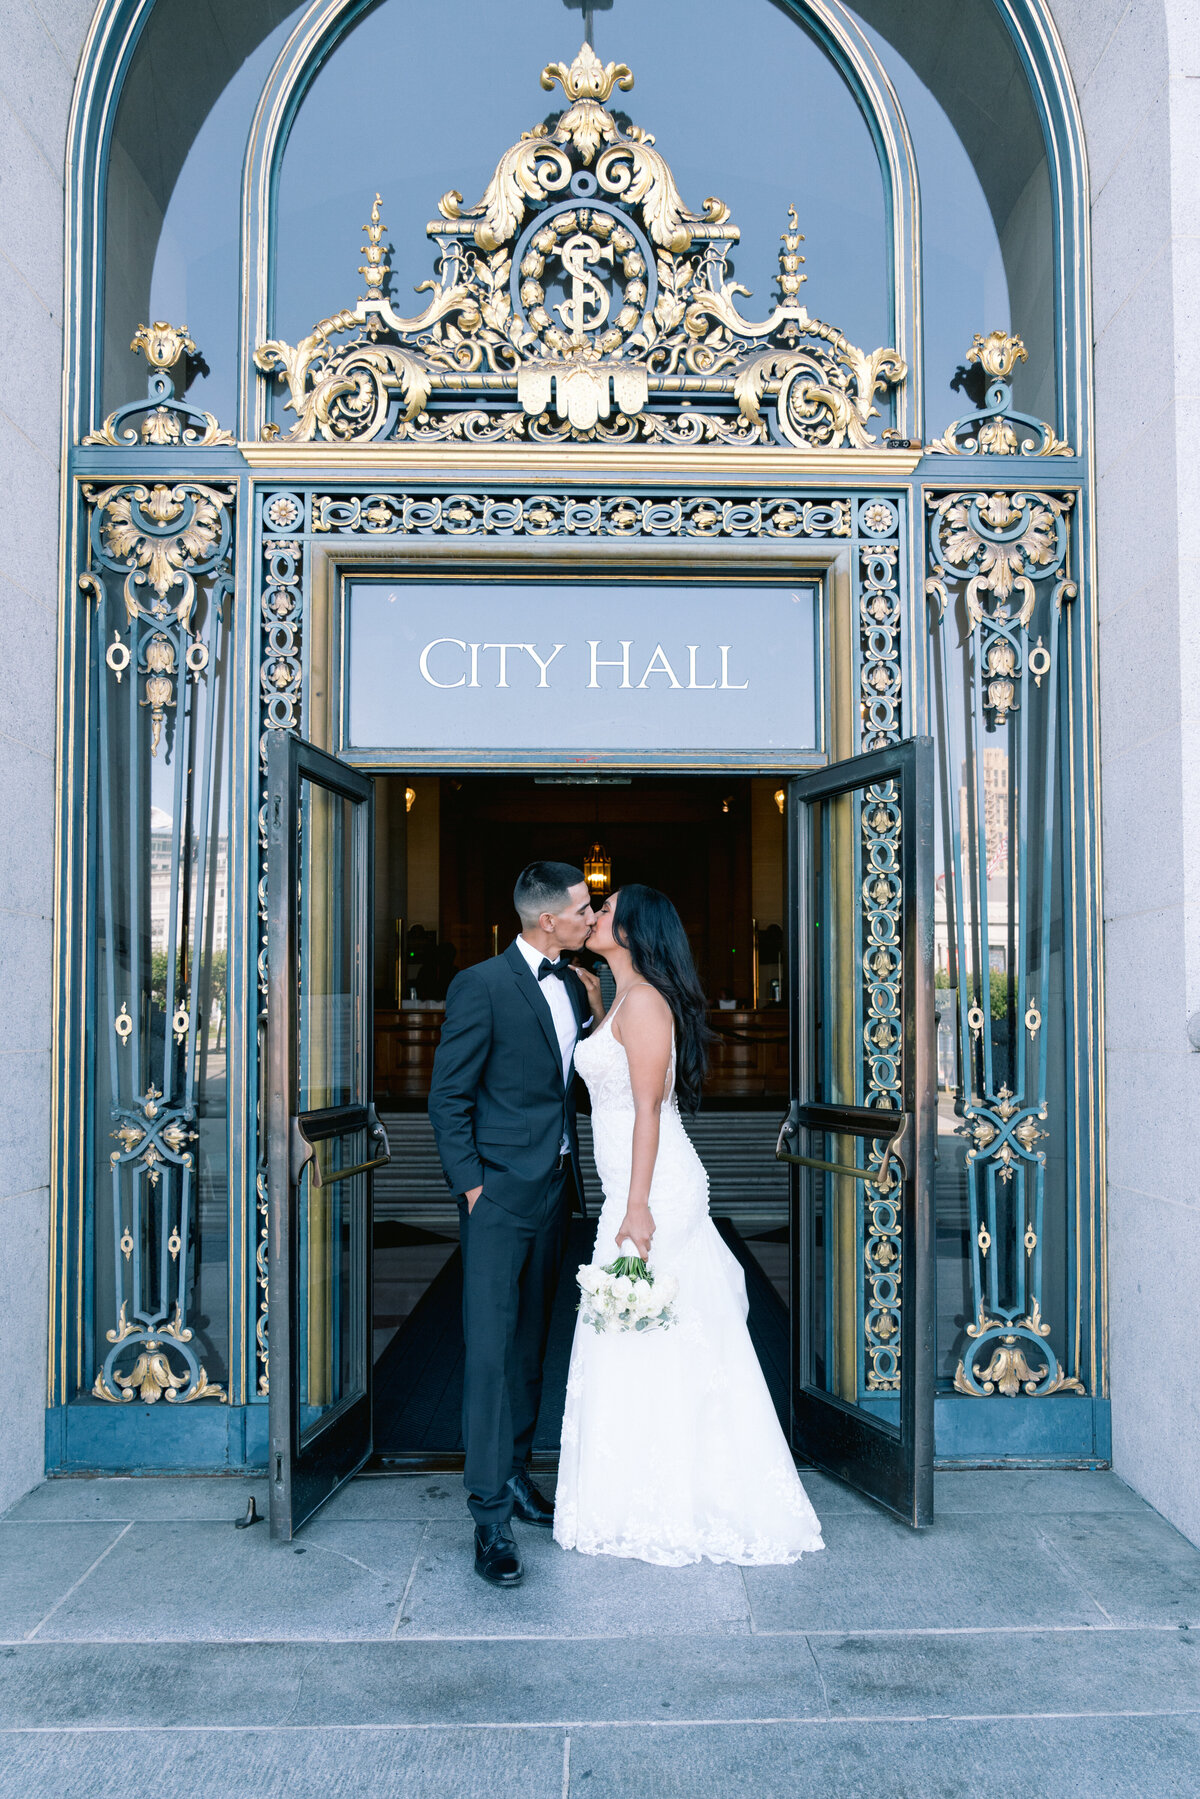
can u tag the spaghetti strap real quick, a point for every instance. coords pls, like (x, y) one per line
(610, 1015)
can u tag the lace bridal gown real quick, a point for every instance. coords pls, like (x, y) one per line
(671, 1449)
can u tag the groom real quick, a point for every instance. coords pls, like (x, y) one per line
(503, 1111)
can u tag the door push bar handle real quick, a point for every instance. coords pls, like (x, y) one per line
(304, 1154)
(897, 1145)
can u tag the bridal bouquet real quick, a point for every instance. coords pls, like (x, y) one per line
(625, 1296)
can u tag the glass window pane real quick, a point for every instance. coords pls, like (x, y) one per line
(330, 1283)
(855, 973)
(330, 952)
(704, 105)
(172, 230)
(856, 947)
(854, 1322)
(986, 199)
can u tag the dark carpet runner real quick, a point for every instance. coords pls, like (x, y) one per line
(418, 1378)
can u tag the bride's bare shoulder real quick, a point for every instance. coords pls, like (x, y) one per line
(644, 1010)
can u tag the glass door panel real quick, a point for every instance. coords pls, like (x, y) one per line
(858, 1136)
(333, 1247)
(324, 1139)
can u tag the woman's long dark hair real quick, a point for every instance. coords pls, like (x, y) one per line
(649, 927)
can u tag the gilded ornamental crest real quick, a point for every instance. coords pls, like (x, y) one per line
(581, 299)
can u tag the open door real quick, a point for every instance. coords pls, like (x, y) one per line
(323, 1138)
(859, 1134)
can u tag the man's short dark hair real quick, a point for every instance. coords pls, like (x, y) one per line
(544, 887)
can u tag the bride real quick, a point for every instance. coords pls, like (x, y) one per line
(671, 1449)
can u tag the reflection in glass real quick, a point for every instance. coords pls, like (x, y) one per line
(172, 221)
(855, 979)
(988, 254)
(330, 1286)
(330, 1055)
(704, 105)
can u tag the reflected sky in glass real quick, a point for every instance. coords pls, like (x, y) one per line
(965, 288)
(196, 263)
(740, 100)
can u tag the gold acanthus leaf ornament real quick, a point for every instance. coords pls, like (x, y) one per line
(163, 345)
(997, 354)
(1003, 543)
(997, 430)
(588, 78)
(1009, 1369)
(161, 534)
(167, 420)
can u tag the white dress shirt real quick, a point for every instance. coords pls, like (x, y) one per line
(562, 1013)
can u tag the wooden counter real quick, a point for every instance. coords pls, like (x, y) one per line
(748, 1058)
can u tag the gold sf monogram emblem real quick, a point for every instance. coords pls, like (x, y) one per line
(585, 290)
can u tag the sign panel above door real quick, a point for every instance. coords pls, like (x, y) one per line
(641, 667)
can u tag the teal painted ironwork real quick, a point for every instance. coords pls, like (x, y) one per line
(161, 579)
(267, 668)
(999, 570)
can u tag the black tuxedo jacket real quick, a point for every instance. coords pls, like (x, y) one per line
(497, 1102)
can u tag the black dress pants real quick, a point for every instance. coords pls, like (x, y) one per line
(511, 1266)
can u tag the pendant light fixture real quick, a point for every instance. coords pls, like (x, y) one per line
(597, 864)
(597, 868)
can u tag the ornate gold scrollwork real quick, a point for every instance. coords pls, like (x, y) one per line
(999, 547)
(163, 535)
(1009, 1369)
(993, 431)
(648, 313)
(159, 565)
(167, 420)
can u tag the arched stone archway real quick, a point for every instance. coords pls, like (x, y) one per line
(1132, 67)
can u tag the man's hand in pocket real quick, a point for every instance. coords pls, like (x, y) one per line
(471, 1197)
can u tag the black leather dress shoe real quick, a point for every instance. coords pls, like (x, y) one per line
(528, 1504)
(496, 1558)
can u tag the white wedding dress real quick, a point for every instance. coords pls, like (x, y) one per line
(671, 1448)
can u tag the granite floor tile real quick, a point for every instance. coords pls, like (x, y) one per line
(1140, 1570)
(590, 1680)
(566, 1595)
(399, 1496)
(1026, 1492)
(1069, 1758)
(420, 1496)
(267, 1764)
(38, 1567)
(202, 1582)
(877, 1574)
(831, 1496)
(956, 1674)
(156, 1498)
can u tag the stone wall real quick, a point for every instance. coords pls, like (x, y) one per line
(1136, 67)
(37, 73)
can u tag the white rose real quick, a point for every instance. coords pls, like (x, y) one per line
(622, 1287)
(643, 1292)
(590, 1279)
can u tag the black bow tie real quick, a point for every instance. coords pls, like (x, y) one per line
(561, 968)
